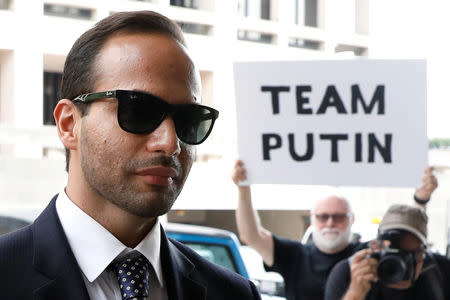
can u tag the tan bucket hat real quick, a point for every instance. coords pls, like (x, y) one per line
(406, 217)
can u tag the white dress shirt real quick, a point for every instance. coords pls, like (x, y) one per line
(95, 248)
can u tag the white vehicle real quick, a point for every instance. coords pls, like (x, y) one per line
(270, 284)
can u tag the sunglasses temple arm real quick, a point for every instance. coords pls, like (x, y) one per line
(209, 116)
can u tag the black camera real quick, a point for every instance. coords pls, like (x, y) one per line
(394, 264)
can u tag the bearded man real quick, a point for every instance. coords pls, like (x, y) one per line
(305, 268)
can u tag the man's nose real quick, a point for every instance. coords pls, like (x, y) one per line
(330, 221)
(164, 139)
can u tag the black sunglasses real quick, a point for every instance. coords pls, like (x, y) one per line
(338, 218)
(142, 113)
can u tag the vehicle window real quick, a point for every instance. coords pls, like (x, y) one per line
(8, 224)
(216, 253)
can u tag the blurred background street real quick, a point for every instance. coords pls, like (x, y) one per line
(35, 36)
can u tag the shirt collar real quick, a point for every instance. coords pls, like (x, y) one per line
(94, 247)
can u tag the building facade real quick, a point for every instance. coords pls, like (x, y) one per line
(36, 35)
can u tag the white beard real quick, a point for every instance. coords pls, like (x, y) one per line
(331, 239)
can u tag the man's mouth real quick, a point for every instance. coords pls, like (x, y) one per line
(158, 175)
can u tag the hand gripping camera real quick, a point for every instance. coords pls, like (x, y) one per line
(394, 264)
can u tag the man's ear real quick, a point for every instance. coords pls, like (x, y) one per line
(352, 218)
(68, 121)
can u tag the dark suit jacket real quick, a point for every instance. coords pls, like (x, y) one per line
(36, 262)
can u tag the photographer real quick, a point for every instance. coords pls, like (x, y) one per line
(396, 267)
(305, 268)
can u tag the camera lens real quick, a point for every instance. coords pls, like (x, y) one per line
(391, 269)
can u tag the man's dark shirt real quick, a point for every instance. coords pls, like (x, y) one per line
(432, 284)
(304, 267)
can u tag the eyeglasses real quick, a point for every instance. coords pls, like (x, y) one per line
(142, 113)
(337, 218)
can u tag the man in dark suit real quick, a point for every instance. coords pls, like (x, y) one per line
(129, 120)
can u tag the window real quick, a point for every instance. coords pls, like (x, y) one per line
(67, 11)
(10, 224)
(207, 5)
(195, 28)
(305, 44)
(259, 9)
(311, 13)
(306, 12)
(216, 253)
(51, 85)
(185, 3)
(265, 9)
(255, 36)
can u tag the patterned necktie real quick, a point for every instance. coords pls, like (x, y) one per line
(133, 276)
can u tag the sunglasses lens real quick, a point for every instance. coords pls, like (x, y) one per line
(194, 123)
(140, 113)
(323, 218)
(338, 218)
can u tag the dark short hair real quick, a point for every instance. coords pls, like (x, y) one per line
(79, 74)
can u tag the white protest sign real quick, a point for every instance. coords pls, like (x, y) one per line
(350, 122)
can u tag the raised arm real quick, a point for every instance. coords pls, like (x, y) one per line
(429, 183)
(248, 222)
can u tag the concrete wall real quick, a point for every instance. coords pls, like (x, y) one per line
(29, 183)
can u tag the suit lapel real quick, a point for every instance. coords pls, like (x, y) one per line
(179, 273)
(54, 259)
(61, 277)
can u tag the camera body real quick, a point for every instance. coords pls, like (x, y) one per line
(394, 264)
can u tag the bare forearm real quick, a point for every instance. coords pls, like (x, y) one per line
(350, 295)
(247, 219)
(250, 229)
